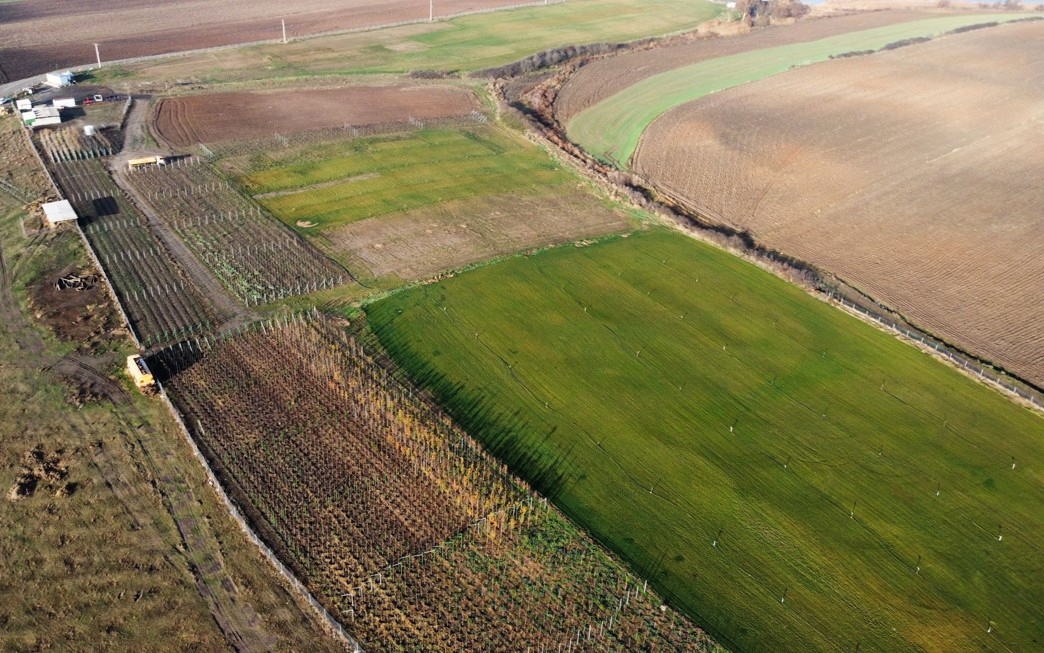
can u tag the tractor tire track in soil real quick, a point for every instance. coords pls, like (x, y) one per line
(232, 313)
(238, 621)
(534, 103)
(202, 554)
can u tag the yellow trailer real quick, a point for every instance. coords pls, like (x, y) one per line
(133, 164)
(140, 373)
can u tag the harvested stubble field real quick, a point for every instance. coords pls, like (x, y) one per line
(790, 477)
(45, 35)
(412, 204)
(912, 174)
(612, 128)
(216, 117)
(412, 535)
(465, 43)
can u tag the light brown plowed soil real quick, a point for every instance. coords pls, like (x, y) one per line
(216, 117)
(913, 174)
(419, 244)
(41, 35)
(605, 77)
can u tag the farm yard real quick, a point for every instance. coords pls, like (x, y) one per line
(256, 258)
(611, 128)
(210, 118)
(780, 471)
(409, 205)
(923, 192)
(396, 519)
(162, 302)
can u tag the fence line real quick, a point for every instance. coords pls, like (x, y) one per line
(332, 624)
(958, 358)
(325, 134)
(87, 245)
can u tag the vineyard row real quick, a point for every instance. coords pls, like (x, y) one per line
(400, 523)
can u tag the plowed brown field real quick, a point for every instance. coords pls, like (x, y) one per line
(44, 35)
(914, 174)
(215, 117)
(605, 77)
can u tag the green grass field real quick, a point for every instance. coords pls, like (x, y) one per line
(461, 44)
(611, 129)
(668, 395)
(338, 183)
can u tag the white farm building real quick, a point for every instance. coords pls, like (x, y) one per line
(41, 116)
(56, 212)
(59, 80)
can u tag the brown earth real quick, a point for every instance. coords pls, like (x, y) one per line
(419, 244)
(912, 174)
(604, 77)
(45, 35)
(210, 118)
(114, 541)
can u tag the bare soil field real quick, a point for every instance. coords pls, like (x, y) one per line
(912, 174)
(210, 118)
(45, 35)
(419, 244)
(603, 78)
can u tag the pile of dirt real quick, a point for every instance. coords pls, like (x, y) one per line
(73, 307)
(42, 471)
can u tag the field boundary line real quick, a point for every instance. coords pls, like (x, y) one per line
(87, 245)
(7, 88)
(633, 189)
(333, 626)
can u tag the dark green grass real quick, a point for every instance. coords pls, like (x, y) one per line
(824, 489)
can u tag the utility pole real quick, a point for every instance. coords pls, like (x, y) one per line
(431, 11)
(284, 30)
(97, 54)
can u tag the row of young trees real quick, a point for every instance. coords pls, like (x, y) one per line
(255, 256)
(400, 523)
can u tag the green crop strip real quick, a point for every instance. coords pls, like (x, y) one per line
(790, 477)
(348, 181)
(611, 129)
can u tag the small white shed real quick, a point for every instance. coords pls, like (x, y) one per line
(59, 80)
(64, 103)
(24, 104)
(61, 211)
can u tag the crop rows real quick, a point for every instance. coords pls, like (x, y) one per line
(394, 518)
(162, 304)
(72, 144)
(256, 257)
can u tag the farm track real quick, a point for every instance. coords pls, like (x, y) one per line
(46, 36)
(202, 555)
(233, 313)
